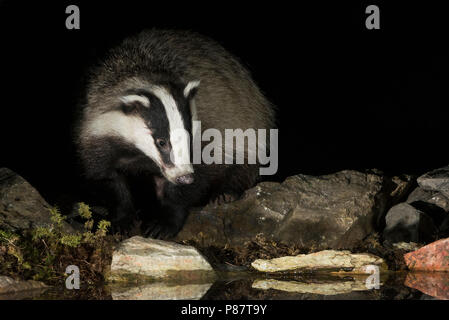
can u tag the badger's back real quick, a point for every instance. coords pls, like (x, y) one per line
(228, 97)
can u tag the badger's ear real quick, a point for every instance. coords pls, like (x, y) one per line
(191, 89)
(131, 101)
(189, 92)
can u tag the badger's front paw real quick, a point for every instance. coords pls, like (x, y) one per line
(125, 226)
(167, 223)
(224, 198)
(162, 229)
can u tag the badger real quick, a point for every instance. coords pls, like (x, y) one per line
(146, 88)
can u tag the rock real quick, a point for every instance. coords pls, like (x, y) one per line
(322, 287)
(406, 246)
(444, 228)
(435, 284)
(427, 297)
(404, 223)
(141, 258)
(436, 180)
(431, 197)
(10, 286)
(331, 211)
(327, 260)
(433, 257)
(161, 291)
(419, 194)
(21, 206)
(435, 205)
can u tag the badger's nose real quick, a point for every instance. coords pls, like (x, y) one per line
(185, 179)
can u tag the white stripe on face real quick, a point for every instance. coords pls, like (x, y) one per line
(130, 128)
(180, 145)
(135, 98)
(134, 130)
(191, 85)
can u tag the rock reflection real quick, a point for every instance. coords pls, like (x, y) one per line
(435, 284)
(23, 295)
(160, 291)
(325, 287)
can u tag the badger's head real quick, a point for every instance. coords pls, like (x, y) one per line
(157, 120)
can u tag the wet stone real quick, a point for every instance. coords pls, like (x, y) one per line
(404, 223)
(21, 206)
(435, 198)
(161, 291)
(326, 288)
(434, 284)
(10, 287)
(432, 257)
(331, 211)
(146, 258)
(436, 180)
(327, 260)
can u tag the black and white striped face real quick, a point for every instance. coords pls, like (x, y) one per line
(160, 125)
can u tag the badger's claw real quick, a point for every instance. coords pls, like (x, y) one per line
(223, 198)
(158, 229)
(124, 226)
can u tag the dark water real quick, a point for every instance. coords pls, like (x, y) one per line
(396, 286)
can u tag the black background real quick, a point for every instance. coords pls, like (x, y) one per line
(347, 97)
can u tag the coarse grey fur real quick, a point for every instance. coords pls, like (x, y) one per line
(227, 98)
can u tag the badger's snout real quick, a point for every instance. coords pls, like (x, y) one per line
(185, 179)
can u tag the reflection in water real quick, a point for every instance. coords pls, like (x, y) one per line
(244, 286)
(296, 287)
(318, 287)
(160, 291)
(435, 284)
(23, 295)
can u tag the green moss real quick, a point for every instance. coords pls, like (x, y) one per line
(43, 253)
(56, 217)
(84, 211)
(7, 236)
(102, 229)
(71, 240)
(42, 233)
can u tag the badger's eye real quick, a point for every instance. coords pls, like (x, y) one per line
(161, 142)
